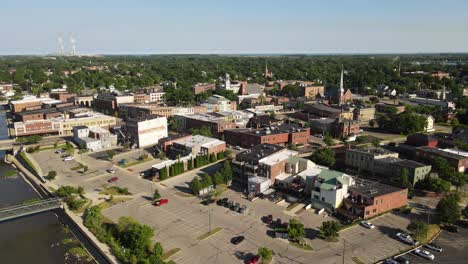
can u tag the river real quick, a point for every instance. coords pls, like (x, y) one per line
(40, 238)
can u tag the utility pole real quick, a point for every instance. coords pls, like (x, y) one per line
(344, 250)
(209, 219)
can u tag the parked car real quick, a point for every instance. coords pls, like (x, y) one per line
(110, 170)
(113, 179)
(407, 239)
(236, 207)
(390, 261)
(367, 224)
(68, 158)
(161, 202)
(243, 209)
(222, 202)
(451, 228)
(207, 201)
(230, 204)
(424, 253)
(433, 247)
(402, 260)
(236, 240)
(253, 260)
(269, 219)
(59, 151)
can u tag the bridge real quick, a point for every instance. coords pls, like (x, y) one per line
(29, 209)
(8, 144)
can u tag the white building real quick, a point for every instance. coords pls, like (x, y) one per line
(157, 97)
(147, 130)
(94, 138)
(218, 103)
(231, 86)
(430, 123)
(330, 188)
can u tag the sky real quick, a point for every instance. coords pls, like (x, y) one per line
(234, 26)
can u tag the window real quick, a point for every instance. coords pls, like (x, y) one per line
(367, 212)
(375, 210)
(316, 197)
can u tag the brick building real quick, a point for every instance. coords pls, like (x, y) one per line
(217, 123)
(346, 127)
(62, 96)
(364, 159)
(279, 134)
(364, 114)
(196, 145)
(203, 87)
(39, 114)
(137, 110)
(266, 161)
(141, 98)
(165, 143)
(369, 198)
(28, 103)
(420, 139)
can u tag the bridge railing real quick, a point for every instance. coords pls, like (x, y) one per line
(26, 209)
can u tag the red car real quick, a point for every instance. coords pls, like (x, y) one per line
(113, 179)
(253, 260)
(161, 202)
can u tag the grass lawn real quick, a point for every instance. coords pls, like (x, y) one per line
(23, 155)
(304, 247)
(83, 208)
(10, 173)
(52, 147)
(126, 165)
(107, 204)
(207, 235)
(114, 190)
(431, 232)
(170, 253)
(357, 260)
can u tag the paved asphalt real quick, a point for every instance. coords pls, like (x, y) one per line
(455, 249)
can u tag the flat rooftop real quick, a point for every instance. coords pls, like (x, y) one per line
(143, 118)
(199, 140)
(373, 151)
(38, 111)
(372, 189)
(446, 153)
(278, 157)
(260, 151)
(271, 130)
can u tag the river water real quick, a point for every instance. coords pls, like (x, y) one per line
(33, 239)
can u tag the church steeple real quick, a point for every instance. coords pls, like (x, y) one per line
(341, 92)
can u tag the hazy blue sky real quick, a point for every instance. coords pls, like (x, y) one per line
(235, 26)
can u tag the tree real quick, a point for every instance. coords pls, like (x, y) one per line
(163, 174)
(433, 184)
(329, 230)
(325, 157)
(134, 236)
(265, 254)
(465, 212)
(156, 195)
(196, 186)
(218, 178)
(404, 179)
(158, 249)
(328, 140)
(295, 229)
(51, 175)
(93, 217)
(448, 210)
(376, 142)
(227, 171)
(419, 228)
(361, 139)
(110, 154)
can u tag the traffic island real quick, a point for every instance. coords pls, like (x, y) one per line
(209, 234)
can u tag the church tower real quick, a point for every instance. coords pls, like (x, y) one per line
(341, 91)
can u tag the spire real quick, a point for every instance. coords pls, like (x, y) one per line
(342, 81)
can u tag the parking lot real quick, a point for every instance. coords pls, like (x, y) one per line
(454, 245)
